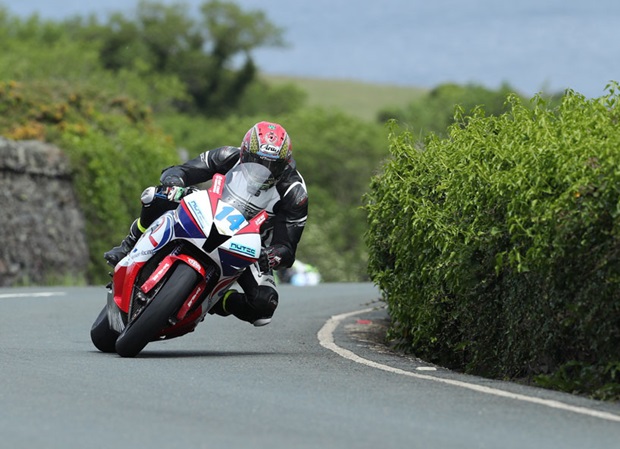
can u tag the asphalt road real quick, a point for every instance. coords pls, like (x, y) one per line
(310, 379)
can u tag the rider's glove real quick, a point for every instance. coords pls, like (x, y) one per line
(269, 259)
(172, 181)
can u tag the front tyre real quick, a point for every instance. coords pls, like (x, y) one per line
(102, 336)
(155, 315)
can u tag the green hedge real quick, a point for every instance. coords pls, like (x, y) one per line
(497, 247)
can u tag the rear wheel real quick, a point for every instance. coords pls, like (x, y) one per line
(101, 335)
(156, 314)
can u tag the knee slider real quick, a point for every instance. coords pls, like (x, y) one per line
(266, 300)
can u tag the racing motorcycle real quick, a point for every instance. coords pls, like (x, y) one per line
(184, 263)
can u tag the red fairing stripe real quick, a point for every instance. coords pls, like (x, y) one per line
(255, 224)
(217, 186)
(216, 190)
(119, 278)
(157, 275)
(124, 278)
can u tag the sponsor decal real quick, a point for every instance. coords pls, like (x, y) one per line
(270, 281)
(243, 249)
(160, 272)
(261, 219)
(148, 253)
(194, 264)
(270, 150)
(192, 300)
(195, 208)
(217, 184)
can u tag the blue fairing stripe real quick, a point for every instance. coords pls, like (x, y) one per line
(188, 227)
(232, 262)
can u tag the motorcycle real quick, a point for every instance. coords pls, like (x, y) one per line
(184, 263)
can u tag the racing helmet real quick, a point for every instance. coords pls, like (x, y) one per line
(268, 144)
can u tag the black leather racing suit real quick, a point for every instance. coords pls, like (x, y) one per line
(281, 232)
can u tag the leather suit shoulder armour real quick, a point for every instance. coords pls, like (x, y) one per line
(222, 158)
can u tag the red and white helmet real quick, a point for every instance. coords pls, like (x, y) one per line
(268, 144)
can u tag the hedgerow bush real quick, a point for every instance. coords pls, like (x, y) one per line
(497, 248)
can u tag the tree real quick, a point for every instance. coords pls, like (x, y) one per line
(201, 54)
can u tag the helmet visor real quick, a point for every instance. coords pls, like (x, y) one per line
(275, 166)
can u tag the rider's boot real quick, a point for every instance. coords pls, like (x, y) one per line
(237, 304)
(117, 253)
(220, 307)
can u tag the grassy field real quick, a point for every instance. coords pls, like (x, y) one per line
(363, 100)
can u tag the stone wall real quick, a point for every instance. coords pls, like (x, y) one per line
(42, 238)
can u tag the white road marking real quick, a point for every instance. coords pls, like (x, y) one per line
(30, 295)
(326, 338)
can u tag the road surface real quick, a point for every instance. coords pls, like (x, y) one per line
(310, 379)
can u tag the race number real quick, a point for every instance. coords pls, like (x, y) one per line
(235, 219)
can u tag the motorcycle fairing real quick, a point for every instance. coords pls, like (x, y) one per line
(185, 224)
(233, 242)
(154, 238)
(238, 253)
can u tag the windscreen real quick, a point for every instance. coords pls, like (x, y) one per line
(243, 188)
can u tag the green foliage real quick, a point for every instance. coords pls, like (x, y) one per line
(38, 51)
(261, 98)
(434, 112)
(509, 266)
(168, 40)
(599, 380)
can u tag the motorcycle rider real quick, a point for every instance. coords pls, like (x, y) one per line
(265, 143)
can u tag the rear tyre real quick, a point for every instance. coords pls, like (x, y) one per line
(154, 317)
(101, 335)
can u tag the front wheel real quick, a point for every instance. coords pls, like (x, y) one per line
(102, 336)
(155, 315)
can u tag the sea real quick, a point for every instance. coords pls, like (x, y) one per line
(532, 45)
